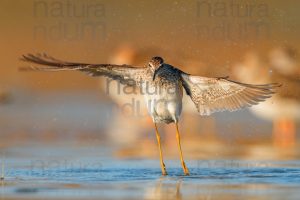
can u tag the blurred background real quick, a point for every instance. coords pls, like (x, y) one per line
(250, 41)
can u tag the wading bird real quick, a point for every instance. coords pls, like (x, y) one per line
(162, 86)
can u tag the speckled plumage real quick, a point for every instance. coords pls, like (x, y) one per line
(162, 86)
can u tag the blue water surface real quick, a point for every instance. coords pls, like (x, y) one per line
(64, 173)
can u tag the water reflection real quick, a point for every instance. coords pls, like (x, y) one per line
(165, 189)
(141, 178)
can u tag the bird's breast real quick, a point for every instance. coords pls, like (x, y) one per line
(164, 101)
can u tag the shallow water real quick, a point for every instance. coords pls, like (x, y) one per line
(93, 173)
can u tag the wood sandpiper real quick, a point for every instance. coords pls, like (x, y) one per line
(162, 86)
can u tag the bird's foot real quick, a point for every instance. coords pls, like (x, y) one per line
(185, 169)
(163, 169)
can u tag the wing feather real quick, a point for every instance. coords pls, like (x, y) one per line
(219, 94)
(126, 74)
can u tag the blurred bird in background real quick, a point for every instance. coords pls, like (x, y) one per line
(280, 65)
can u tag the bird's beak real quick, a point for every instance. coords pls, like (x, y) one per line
(155, 72)
(154, 75)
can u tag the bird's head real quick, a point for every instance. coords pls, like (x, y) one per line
(155, 64)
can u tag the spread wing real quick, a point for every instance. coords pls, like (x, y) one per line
(219, 94)
(126, 74)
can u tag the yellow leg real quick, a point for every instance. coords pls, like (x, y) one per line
(185, 169)
(162, 164)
